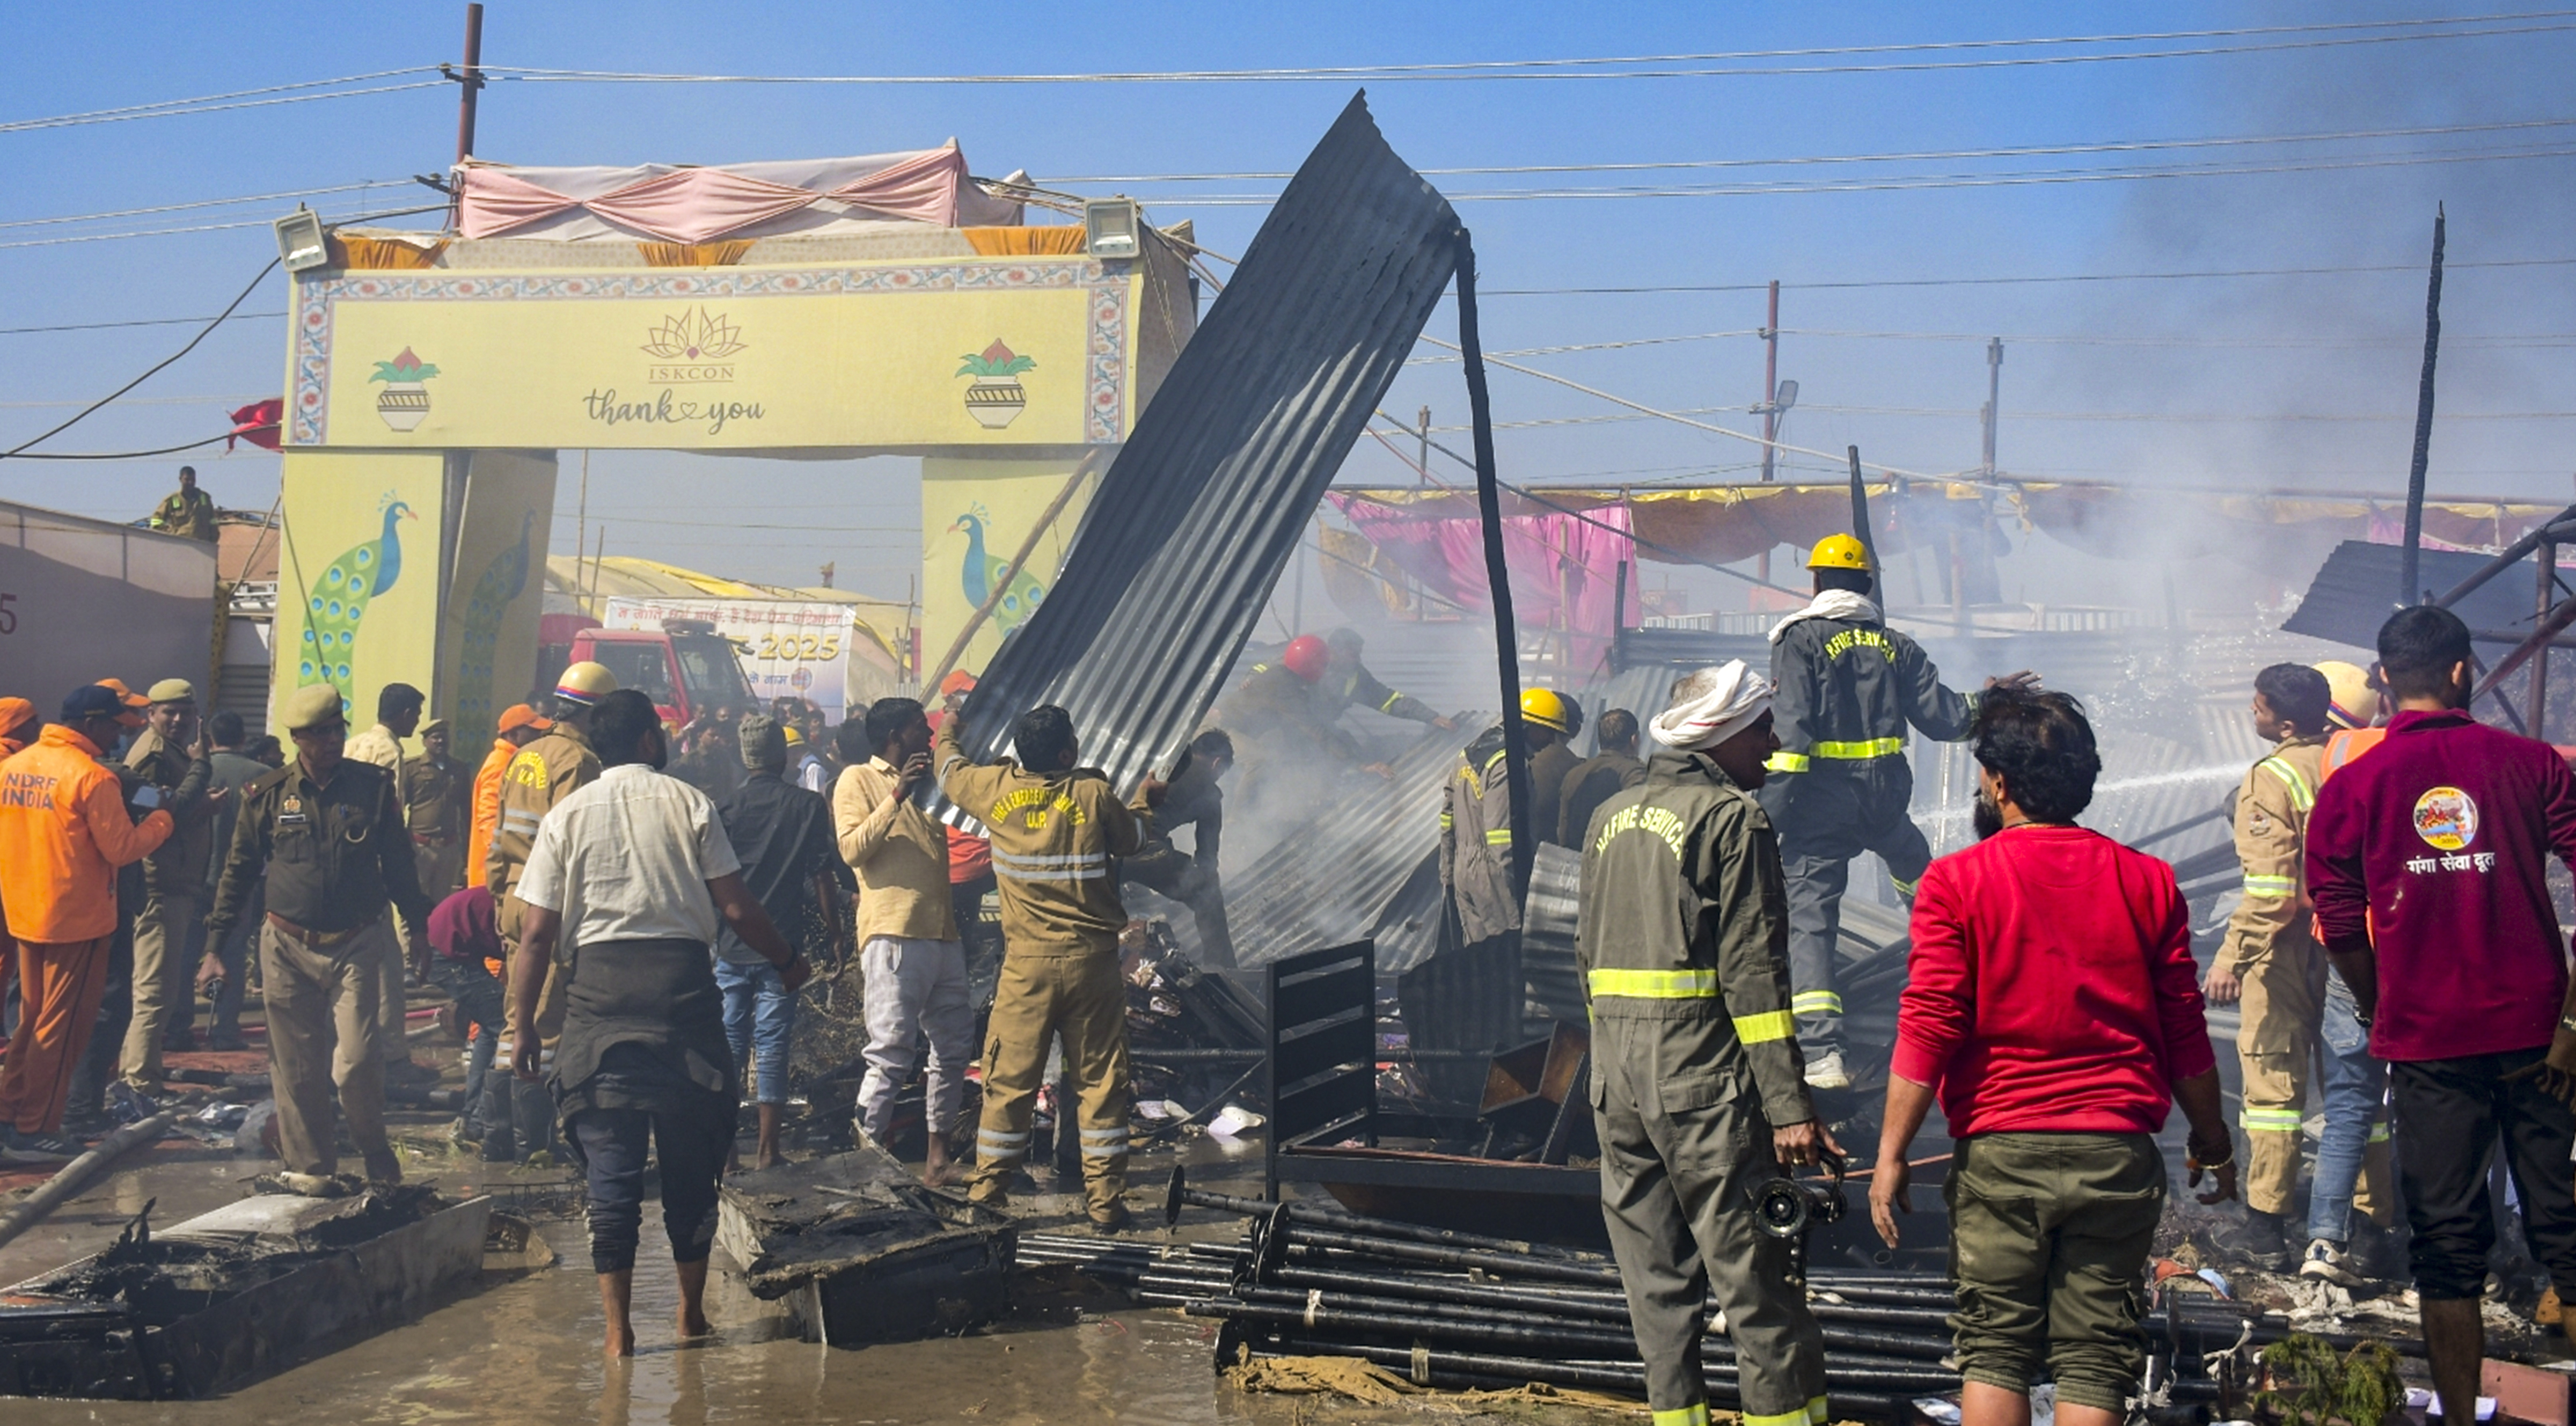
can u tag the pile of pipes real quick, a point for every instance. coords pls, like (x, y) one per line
(1460, 1311)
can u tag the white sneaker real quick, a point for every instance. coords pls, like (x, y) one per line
(1826, 1071)
(2328, 1260)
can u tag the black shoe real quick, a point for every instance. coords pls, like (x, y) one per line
(227, 1043)
(2257, 1235)
(1118, 1221)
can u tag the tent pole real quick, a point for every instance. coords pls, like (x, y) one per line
(2409, 591)
(1497, 573)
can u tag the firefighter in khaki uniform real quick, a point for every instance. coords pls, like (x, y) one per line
(174, 880)
(2270, 960)
(544, 773)
(1697, 1083)
(1055, 828)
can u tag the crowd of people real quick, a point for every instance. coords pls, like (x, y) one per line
(620, 917)
(2397, 944)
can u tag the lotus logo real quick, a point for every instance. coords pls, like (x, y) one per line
(694, 335)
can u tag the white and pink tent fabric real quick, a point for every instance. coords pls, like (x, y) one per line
(679, 204)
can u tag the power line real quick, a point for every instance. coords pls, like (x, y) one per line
(2411, 268)
(208, 203)
(118, 455)
(1929, 182)
(237, 99)
(265, 270)
(137, 322)
(1915, 156)
(2485, 27)
(328, 218)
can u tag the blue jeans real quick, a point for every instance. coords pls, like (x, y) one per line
(477, 993)
(2356, 1115)
(759, 1017)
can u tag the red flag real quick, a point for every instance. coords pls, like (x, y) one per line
(257, 423)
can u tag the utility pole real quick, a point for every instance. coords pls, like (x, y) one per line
(471, 81)
(1770, 407)
(1994, 393)
(2409, 590)
(1422, 459)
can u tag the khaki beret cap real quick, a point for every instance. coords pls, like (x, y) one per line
(311, 708)
(172, 690)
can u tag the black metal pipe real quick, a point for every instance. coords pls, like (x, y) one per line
(1499, 1264)
(1179, 1193)
(1345, 1312)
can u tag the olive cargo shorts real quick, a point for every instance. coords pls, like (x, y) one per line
(2049, 1235)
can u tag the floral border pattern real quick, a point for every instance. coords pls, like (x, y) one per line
(316, 298)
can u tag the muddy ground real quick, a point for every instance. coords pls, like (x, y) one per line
(524, 1347)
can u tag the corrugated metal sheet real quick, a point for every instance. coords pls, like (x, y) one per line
(1338, 877)
(1548, 923)
(1197, 517)
(2356, 590)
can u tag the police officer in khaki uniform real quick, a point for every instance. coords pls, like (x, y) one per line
(1697, 1081)
(435, 790)
(544, 773)
(171, 756)
(1055, 827)
(330, 834)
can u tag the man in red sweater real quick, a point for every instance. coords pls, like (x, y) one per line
(2428, 863)
(2054, 1006)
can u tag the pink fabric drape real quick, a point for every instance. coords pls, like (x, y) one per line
(923, 188)
(1564, 570)
(496, 202)
(696, 205)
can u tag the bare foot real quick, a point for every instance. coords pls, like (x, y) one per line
(942, 1175)
(768, 1159)
(619, 1346)
(693, 1325)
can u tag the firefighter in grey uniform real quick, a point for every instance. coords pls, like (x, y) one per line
(1848, 686)
(1696, 1081)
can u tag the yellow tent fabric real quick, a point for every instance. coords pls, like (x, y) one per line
(1062, 240)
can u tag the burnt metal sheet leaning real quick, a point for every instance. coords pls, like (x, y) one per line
(2348, 600)
(1201, 510)
(1336, 879)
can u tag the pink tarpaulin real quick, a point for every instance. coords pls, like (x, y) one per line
(1564, 570)
(696, 205)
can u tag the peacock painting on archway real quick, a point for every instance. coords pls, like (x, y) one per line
(983, 570)
(337, 603)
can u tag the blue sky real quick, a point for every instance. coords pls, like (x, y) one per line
(2249, 383)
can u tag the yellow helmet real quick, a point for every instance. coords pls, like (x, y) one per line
(2355, 704)
(1549, 709)
(1839, 552)
(585, 683)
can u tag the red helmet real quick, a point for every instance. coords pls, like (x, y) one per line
(1306, 657)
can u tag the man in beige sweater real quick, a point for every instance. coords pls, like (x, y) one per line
(909, 951)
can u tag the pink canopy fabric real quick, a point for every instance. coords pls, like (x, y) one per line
(1564, 570)
(696, 205)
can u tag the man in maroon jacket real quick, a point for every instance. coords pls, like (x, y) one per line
(2428, 863)
(2052, 1003)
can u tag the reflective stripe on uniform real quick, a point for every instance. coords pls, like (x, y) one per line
(1499, 837)
(1786, 762)
(1654, 984)
(1816, 1412)
(1816, 1002)
(2302, 796)
(1695, 1414)
(1082, 866)
(1000, 1147)
(1762, 1029)
(1103, 1143)
(1797, 1417)
(2268, 888)
(1392, 699)
(2379, 1132)
(516, 819)
(1859, 752)
(2269, 1121)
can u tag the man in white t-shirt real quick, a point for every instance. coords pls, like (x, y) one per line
(625, 884)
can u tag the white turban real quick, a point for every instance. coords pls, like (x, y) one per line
(1714, 705)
